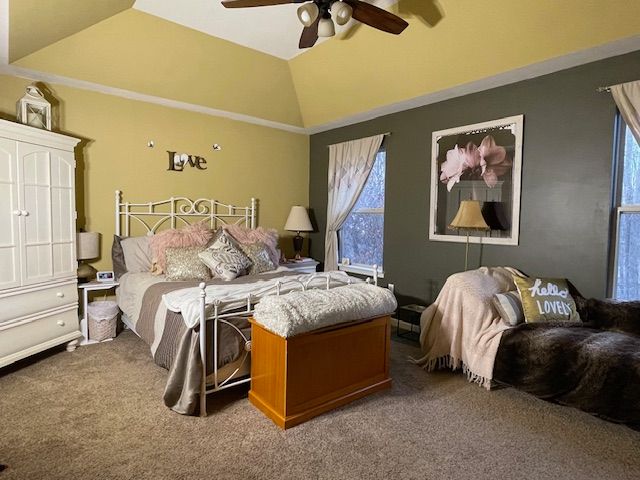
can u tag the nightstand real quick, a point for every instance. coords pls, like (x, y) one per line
(304, 265)
(409, 314)
(84, 322)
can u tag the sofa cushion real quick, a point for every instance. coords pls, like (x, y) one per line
(612, 315)
(546, 300)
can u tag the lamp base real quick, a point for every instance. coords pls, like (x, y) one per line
(297, 245)
(85, 272)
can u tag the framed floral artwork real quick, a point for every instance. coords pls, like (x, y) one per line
(480, 162)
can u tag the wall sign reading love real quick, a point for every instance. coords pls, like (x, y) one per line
(177, 161)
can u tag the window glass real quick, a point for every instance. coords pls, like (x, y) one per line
(627, 274)
(361, 236)
(631, 170)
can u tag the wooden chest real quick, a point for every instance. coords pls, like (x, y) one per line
(295, 379)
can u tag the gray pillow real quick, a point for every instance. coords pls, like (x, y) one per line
(224, 258)
(509, 306)
(137, 254)
(117, 257)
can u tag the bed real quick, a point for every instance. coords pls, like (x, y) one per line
(199, 331)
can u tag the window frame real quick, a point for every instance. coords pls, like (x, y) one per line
(362, 268)
(618, 209)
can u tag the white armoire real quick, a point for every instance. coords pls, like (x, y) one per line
(38, 283)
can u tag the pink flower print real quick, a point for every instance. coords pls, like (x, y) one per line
(496, 160)
(453, 167)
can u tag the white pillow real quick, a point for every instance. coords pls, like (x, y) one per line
(225, 259)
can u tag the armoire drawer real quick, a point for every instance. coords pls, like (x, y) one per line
(22, 339)
(34, 301)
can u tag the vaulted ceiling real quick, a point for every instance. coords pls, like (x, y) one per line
(243, 62)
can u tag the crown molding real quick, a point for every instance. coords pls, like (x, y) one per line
(34, 75)
(612, 49)
(619, 47)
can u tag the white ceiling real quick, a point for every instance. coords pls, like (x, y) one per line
(274, 29)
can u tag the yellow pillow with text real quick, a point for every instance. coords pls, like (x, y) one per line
(546, 300)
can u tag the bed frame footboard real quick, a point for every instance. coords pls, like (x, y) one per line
(214, 321)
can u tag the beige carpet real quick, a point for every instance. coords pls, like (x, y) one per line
(97, 413)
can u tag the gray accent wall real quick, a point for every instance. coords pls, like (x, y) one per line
(567, 174)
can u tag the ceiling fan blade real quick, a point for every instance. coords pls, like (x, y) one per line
(309, 35)
(376, 17)
(255, 3)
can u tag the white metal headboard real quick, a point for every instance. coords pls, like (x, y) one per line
(153, 215)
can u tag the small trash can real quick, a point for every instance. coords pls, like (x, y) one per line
(103, 319)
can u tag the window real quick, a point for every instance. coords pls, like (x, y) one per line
(362, 234)
(627, 261)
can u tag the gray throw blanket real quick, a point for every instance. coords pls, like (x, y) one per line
(593, 366)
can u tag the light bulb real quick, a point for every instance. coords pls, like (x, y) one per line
(308, 13)
(326, 28)
(341, 12)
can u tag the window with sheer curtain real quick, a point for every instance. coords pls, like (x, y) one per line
(361, 237)
(627, 242)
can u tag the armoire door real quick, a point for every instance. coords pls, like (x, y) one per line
(48, 213)
(9, 216)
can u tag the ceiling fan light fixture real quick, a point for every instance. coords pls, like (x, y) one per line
(341, 12)
(326, 28)
(308, 13)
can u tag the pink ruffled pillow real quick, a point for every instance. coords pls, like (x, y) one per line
(247, 236)
(196, 235)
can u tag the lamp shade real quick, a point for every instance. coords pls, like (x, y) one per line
(341, 12)
(298, 220)
(326, 28)
(308, 13)
(469, 216)
(88, 245)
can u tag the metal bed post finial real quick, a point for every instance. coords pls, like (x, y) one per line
(253, 212)
(117, 210)
(203, 350)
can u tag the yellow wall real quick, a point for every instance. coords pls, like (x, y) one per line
(271, 165)
(139, 52)
(474, 39)
(33, 25)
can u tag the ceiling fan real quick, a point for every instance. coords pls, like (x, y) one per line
(318, 16)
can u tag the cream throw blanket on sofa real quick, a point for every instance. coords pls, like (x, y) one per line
(461, 328)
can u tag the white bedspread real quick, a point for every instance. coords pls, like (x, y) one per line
(187, 301)
(299, 312)
(461, 328)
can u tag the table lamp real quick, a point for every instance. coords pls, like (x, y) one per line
(298, 221)
(469, 217)
(88, 247)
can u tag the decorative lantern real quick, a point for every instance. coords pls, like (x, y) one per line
(33, 109)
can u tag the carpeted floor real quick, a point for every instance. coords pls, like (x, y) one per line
(97, 413)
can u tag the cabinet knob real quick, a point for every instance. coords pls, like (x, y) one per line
(61, 323)
(17, 213)
(24, 213)
(60, 295)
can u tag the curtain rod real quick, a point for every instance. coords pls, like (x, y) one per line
(386, 134)
(604, 89)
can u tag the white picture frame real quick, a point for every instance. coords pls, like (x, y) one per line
(466, 165)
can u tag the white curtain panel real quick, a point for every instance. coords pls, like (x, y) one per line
(349, 166)
(627, 97)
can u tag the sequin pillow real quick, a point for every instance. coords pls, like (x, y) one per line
(260, 257)
(224, 258)
(183, 263)
(546, 300)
